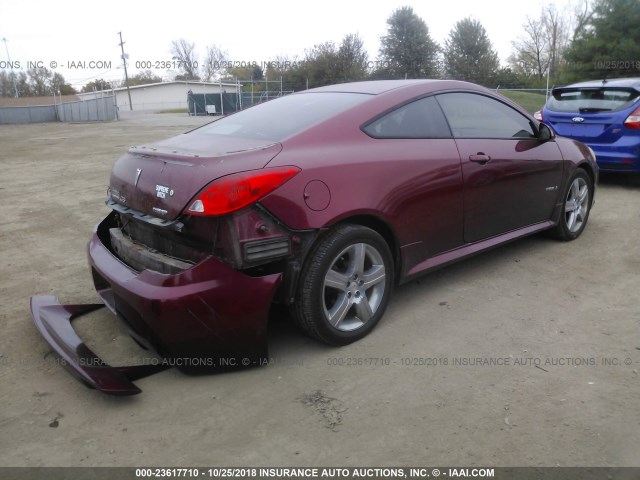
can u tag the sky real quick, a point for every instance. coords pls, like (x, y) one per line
(82, 43)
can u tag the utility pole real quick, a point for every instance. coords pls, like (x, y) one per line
(15, 85)
(126, 76)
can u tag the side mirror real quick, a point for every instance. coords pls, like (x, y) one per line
(545, 133)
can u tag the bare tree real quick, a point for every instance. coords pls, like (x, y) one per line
(183, 53)
(557, 27)
(582, 15)
(542, 45)
(530, 49)
(214, 63)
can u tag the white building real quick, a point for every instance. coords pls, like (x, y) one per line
(161, 96)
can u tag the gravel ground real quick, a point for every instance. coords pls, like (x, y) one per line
(524, 356)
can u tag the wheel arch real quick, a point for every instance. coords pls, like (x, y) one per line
(561, 230)
(382, 228)
(317, 302)
(591, 174)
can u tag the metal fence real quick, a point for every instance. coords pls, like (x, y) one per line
(226, 103)
(31, 114)
(94, 110)
(213, 103)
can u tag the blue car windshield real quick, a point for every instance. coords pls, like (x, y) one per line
(586, 100)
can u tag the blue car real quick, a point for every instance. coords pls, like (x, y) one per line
(605, 115)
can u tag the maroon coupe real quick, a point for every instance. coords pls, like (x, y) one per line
(323, 201)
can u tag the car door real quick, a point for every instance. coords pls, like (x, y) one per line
(510, 177)
(425, 202)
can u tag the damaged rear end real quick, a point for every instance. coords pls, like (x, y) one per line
(187, 258)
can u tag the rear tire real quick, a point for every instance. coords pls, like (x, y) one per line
(575, 207)
(345, 285)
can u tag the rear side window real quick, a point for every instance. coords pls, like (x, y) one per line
(592, 100)
(472, 115)
(420, 119)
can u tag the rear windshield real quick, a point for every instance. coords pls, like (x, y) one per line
(278, 119)
(592, 100)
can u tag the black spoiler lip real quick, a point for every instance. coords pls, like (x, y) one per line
(53, 321)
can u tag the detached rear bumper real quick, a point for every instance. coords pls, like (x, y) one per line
(204, 319)
(53, 321)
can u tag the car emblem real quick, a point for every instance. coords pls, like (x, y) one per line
(138, 172)
(577, 119)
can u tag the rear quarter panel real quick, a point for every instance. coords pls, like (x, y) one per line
(412, 185)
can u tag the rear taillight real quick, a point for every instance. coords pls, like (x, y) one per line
(538, 115)
(633, 120)
(233, 192)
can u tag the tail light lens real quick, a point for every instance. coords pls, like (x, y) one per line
(538, 115)
(633, 120)
(233, 192)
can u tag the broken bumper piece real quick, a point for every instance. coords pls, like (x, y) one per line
(206, 319)
(53, 321)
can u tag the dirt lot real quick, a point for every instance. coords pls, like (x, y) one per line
(559, 322)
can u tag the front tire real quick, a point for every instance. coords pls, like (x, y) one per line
(345, 285)
(576, 207)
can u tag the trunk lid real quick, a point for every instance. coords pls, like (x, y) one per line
(586, 127)
(160, 179)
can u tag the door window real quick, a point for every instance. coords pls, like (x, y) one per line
(472, 115)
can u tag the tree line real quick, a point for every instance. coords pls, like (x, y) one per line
(41, 82)
(598, 39)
